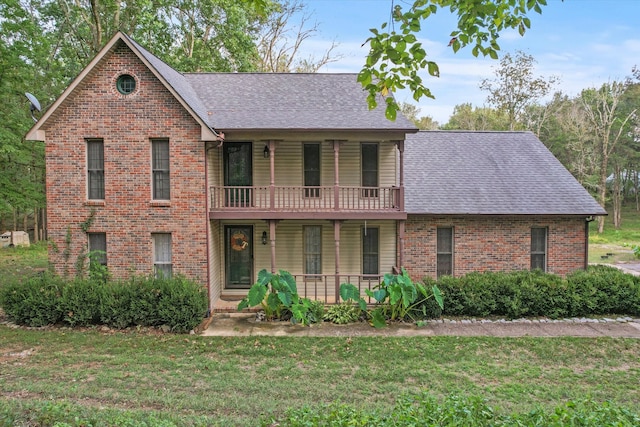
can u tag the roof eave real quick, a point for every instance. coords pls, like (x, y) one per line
(500, 213)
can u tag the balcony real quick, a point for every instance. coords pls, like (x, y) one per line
(290, 202)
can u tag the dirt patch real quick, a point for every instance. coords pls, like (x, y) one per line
(13, 355)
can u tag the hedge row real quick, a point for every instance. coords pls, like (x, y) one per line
(600, 290)
(146, 301)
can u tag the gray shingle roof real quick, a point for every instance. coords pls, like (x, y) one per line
(276, 101)
(289, 101)
(489, 173)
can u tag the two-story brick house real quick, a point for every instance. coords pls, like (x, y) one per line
(217, 176)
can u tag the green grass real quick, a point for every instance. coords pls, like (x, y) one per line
(236, 381)
(617, 242)
(20, 262)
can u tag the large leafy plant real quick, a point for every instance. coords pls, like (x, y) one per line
(278, 296)
(398, 297)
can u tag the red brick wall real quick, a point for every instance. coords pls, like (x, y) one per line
(128, 216)
(485, 243)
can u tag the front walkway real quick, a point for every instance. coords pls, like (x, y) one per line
(244, 325)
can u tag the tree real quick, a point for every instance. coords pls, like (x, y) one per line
(515, 88)
(466, 117)
(25, 64)
(569, 136)
(396, 57)
(411, 112)
(600, 106)
(277, 54)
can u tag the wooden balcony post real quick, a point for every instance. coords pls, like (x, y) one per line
(336, 174)
(336, 235)
(272, 240)
(400, 146)
(272, 170)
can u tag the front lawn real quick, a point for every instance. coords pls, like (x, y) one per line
(21, 262)
(194, 380)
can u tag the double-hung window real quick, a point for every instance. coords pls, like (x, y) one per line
(370, 250)
(539, 248)
(444, 251)
(312, 241)
(98, 248)
(160, 166)
(95, 169)
(369, 167)
(162, 266)
(311, 160)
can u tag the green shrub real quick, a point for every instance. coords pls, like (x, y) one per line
(599, 291)
(117, 302)
(80, 302)
(475, 297)
(34, 302)
(178, 303)
(605, 290)
(182, 303)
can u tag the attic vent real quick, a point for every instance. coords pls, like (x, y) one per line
(126, 84)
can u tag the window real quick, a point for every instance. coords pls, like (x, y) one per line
(160, 166)
(369, 156)
(311, 160)
(126, 84)
(370, 251)
(95, 169)
(312, 249)
(98, 248)
(539, 248)
(162, 254)
(444, 251)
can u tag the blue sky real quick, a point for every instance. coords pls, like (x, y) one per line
(584, 42)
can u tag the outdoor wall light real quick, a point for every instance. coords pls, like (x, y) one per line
(265, 152)
(264, 237)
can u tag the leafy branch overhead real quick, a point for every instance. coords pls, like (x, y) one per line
(396, 57)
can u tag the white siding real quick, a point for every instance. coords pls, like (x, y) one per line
(288, 164)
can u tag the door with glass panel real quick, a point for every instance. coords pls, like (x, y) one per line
(238, 256)
(238, 174)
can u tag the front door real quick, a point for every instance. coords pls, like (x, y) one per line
(238, 177)
(239, 256)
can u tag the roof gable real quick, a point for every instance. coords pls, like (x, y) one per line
(489, 173)
(170, 78)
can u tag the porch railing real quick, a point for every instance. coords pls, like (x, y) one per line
(322, 287)
(299, 199)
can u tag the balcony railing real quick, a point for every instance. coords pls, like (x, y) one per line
(324, 287)
(301, 199)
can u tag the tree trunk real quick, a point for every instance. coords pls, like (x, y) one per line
(617, 196)
(36, 225)
(602, 191)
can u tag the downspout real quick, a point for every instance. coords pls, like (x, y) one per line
(586, 240)
(207, 224)
(207, 199)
